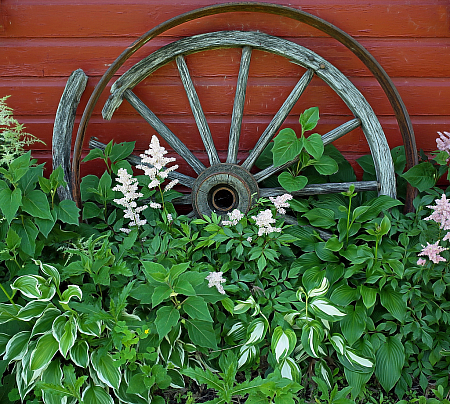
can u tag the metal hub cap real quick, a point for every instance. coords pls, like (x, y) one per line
(223, 188)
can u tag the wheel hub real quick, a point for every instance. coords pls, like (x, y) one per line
(222, 188)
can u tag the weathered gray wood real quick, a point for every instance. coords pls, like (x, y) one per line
(320, 189)
(294, 52)
(271, 170)
(340, 131)
(238, 107)
(278, 119)
(164, 131)
(197, 111)
(136, 160)
(63, 128)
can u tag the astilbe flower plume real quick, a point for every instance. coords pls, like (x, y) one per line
(432, 251)
(216, 279)
(441, 212)
(235, 216)
(128, 187)
(443, 142)
(264, 221)
(280, 202)
(154, 166)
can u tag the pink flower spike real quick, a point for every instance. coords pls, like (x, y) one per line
(441, 212)
(443, 141)
(432, 251)
(446, 237)
(421, 262)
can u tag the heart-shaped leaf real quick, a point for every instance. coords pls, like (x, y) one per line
(314, 145)
(291, 183)
(325, 165)
(286, 147)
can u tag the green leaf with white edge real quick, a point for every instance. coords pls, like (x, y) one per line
(29, 285)
(291, 183)
(96, 395)
(247, 354)
(17, 346)
(421, 176)
(107, 371)
(52, 375)
(354, 323)
(326, 310)
(356, 361)
(33, 309)
(49, 270)
(369, 296)
(393, 302)
(4, 338)
(68, 212)
(286, 147)
(69, 293)
(68, 336)
(256, 331)
(44, 352)
(79, 353)
(10, 202)
(325, 165)
(195, 307)
(58, 326)
(44, 323)
(314, 145)
(390, 358)
(283, 343)
(309, 118)
(166, 318)
(90, 328)
(201, 333)
(36, 204)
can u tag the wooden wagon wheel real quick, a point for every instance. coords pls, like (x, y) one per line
(224, 186)
(228, 181)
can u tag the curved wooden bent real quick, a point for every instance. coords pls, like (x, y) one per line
(298, 15)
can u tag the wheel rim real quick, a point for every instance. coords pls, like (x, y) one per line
(203, 196)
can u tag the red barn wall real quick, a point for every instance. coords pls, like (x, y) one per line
(43, 41)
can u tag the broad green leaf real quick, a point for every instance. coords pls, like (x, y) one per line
(178, 269)
(390, 359)
(353, 324)
(369, 296)
(79, 353)
(344, 294)
(201, 333)
(166, 318)
(320, 217)
(88, 183)
(36, 204)
(210, 295)
(10, 202)
(45, 226)
(17, 346)
(33, 309)
(309, 118)
(43, 324)
(265, 159)
(96, 395)
(286, 147)
(90, 210)
(28, 182)
(107, 371)
(421, 176)
(4, 338)
(325, 165)
(94, 154)
(283, 343)
(161, 293)
(196, 308)
(121, 151)
(291, 183)
(314, 145)
(28, 232)
(12, 239)
(154, 272)
(67, 212)
(44, 352)
(392, 301)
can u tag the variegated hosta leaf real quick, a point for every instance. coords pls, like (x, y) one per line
(64, 330)
(256, 331)
(4, 338)
(312, 336)
(290, 317)
(290, 370)
(323, 308)
(27, 372)
(33, 309)
(71, 291)
(96, 395)
(106, 370)
(321, 290)
(237, 331)
(244, 305)
(323, 371)
(247, 354)
(88, 328)
(299, 294)
(44, 324)
(34, 287)
(283, 343)
(50, 271)
(338, 342)
(17, 346)
(79, 354)
(354, 361)
(8, 312)
(44, 352)
(53, 375)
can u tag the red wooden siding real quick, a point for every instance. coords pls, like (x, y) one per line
(43, 41)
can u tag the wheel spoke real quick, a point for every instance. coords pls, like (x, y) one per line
(278, 119)
(164, 131)
(136, 160)
(197, 111)
(340, 131)
(319, 189)
(238, 108)
(271, 170)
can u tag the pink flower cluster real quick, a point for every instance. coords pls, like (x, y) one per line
(432, 251)
(280, 202)
(441, 214)
(443, 142)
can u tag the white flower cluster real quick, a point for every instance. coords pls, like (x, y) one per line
(264, 221)
(280, 202)
(128, 186)
(234, 217)
(216, 279)
(155, 167)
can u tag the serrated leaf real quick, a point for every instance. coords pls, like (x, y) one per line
(196, 308)
(421, 176)
(28, 232)
(314, 145)
(36, 204)
(68, 212)
(325, 165)
(309, 118)
(10, 202)
(201, 333)
(166, 318)
(160, 293)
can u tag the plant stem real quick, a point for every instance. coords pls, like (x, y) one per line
(8, 296)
